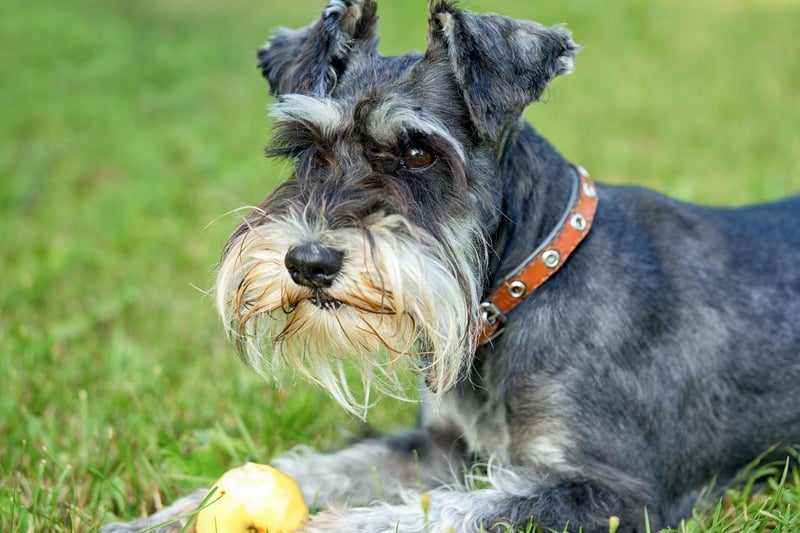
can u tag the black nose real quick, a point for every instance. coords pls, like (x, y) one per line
(313, 265)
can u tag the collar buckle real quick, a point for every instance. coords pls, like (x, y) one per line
(494, 320)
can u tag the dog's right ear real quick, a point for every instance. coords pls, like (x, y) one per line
(310, 60)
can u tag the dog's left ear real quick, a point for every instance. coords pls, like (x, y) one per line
(501, 64)
(310, 60)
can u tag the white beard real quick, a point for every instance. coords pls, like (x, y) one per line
(401, 300)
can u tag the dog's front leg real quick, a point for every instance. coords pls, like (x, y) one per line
(514, 501)
(369, 470)
(373, 469)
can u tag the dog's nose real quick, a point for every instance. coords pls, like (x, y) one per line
(313, 265)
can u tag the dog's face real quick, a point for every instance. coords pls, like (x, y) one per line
(375, 250)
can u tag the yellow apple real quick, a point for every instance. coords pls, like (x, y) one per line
(253, 498)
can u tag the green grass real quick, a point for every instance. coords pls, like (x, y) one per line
(129, 130)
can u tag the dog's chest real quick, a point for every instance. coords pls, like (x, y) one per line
(517, 429)
(481, 419)
(477, 413)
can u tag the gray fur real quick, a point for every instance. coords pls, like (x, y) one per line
(663, 355)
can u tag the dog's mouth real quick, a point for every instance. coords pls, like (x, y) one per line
(324, 301)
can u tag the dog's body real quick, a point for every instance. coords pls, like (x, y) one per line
(662, 355)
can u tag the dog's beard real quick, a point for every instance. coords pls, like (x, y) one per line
(403, 299)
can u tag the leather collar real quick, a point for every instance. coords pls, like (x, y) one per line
(544, 261)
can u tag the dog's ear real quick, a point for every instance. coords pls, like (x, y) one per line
(501, 64)
(311, 60)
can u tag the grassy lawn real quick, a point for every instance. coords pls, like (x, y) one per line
(132, 129)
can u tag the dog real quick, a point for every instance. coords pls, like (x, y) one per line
(588, 354)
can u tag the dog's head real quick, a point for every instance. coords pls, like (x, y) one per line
(374, 252)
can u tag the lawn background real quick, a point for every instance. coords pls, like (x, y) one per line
(132, 129)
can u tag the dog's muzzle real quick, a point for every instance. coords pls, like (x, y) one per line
(302, 298)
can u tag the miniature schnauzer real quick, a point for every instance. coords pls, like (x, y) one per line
(585, 351)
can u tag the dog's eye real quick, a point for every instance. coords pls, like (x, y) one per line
(416, 158)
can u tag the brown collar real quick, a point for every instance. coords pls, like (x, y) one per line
(544, 261)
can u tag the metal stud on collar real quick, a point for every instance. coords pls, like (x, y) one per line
(578, 222)
(517, 289)
(551, 258)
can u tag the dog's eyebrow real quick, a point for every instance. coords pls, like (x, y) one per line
(390, 119)
(324, 115)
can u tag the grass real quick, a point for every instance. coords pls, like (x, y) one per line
(130, 129)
